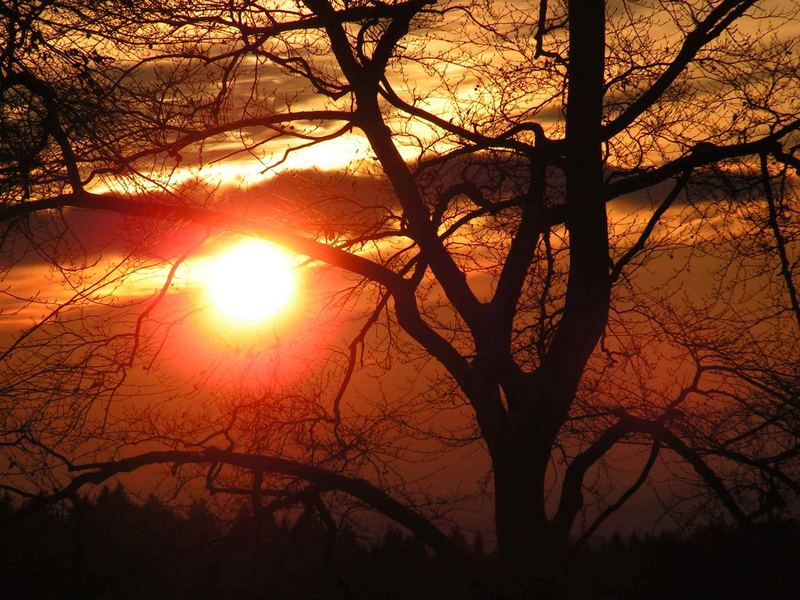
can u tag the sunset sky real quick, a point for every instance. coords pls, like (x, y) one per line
(375, 284)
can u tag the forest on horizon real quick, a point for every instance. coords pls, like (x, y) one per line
(111, 546)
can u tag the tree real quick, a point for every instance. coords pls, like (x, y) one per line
(496, 154)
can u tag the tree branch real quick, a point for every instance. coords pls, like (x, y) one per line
(663, 433)
(572, 489)
(780, 243)
(155, 210)
(361, 489)
(651, 225)
(703, 154)
(651, 460)
(706, 31)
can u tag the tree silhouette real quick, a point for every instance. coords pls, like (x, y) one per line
(499, 140)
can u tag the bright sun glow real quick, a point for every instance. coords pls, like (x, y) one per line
(250, 281)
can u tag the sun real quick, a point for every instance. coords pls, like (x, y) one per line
(250, 281)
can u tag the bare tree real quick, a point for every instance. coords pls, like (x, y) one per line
(500, 139)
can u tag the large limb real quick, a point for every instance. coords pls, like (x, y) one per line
(364, 77)
(402, 290)
(572, 490)
(702, 468)
(626, 495)
(185, 137)
(483, 396)
(360, 489)
(572, 495)
(702, 155)
(517, 264)
(179, 213)
(182, 137)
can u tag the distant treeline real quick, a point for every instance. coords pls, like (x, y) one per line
(113, 547)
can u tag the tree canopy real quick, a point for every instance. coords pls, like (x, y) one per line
(574, 226)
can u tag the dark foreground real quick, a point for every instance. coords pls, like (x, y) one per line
(112, 547)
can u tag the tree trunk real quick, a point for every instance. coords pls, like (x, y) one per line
(531, 546)
(528, 543)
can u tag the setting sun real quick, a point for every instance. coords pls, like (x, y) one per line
(250, 281)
